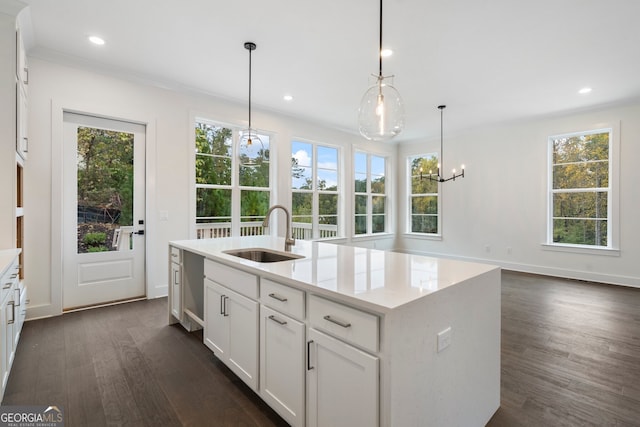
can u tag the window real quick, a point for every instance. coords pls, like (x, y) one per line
(423, 195)
(230, 199)
(370, 202)
(315, 190)
(580, 196)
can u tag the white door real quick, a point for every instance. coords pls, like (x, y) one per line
(103, 211)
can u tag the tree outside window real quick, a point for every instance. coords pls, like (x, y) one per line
(219, 177)
(580, 188)
(423, 195)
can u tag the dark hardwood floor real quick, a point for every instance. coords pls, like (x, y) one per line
(570, 357)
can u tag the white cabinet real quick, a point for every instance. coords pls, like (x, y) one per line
(282, 356)
(175, 277)
(22, 123)
(22, 82)
(342, 380)
(12, 302)
(231, 330)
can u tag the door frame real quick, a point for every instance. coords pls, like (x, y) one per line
(116, 112)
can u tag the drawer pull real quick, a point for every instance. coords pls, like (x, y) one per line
(18, 299)
(278, 321)
(278, 297)
(309, 367)
(13, 313)
(7, 286)
(337, 322)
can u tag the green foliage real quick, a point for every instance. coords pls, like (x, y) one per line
(91, 249)
(94, 239)
(105, 171)
(581, 163)
(424, 195)
(214, 163)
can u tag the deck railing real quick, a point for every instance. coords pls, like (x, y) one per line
(300, 230)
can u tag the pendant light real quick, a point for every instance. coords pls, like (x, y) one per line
(381, 114)
(437, 177)
(251, 150)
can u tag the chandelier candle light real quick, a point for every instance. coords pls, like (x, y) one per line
(381, 114)
(251, 147)
(437, 177)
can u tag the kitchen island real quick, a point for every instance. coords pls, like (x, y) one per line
(347, 336)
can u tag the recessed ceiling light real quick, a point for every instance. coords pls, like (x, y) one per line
(96, 40)
(288, 98)
(584, 90)
(386, 52)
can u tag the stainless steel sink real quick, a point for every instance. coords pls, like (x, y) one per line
(262, 255)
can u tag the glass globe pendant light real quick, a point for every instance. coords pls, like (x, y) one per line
(381, 114)
(251, 150)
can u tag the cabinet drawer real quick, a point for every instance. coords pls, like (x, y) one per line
(349, 324)
(175, 255)
(285, 299)
(240, 281)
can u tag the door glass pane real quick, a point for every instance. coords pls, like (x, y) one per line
(105, 190)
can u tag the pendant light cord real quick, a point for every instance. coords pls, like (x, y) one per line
(250, 49)
(380, 45)
(441, 107)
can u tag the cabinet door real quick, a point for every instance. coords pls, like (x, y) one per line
(282, 365)
(22, 125)
(242, 315)
(8, 320)
(4, 352)
(342, 384)
(216, 327)
(176, 291)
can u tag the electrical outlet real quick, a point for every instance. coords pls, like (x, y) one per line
(444, 339)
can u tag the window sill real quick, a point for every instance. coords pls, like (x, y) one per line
(375, 236)
(577, 249)
(423, 236)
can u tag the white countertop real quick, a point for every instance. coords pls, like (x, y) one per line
(374, 279)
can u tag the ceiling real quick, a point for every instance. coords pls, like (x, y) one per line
(490, 61)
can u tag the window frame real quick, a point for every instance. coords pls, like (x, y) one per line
(370, 194)
(613, 201)
(409, 188)
(315, 192)
(235, 187)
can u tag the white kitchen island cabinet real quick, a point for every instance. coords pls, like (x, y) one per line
(231, 320)
(353, 336)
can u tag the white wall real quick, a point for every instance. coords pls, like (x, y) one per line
(502, 201)
(168, 115)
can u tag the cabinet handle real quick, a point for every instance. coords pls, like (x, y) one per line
(13, 313)
(175, 277)
(278, 321)
(26, 144)
(224, 311)
(309, 367)
(18, 304)
(278, 297)
(222, 297)
(337, 322)
(174, 255)
(26, 71)
(7, 285)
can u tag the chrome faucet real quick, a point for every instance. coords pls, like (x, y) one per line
(288, 240)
